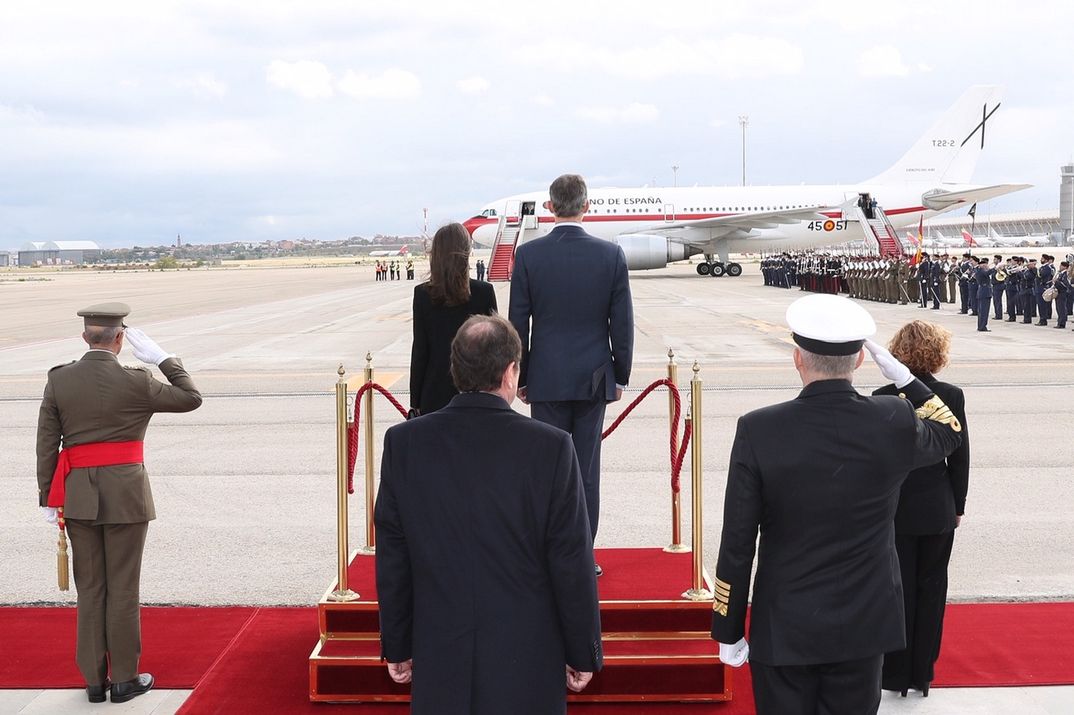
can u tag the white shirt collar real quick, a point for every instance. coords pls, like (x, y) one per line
(568, 223)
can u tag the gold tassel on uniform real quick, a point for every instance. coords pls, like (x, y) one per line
(936, 410)
(63, 577)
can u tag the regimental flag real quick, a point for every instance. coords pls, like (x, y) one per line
(920, 239)
(973, 216)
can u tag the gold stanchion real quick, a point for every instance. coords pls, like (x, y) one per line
(697, 592)
(342, 593)
(370, 547)
(676, 546)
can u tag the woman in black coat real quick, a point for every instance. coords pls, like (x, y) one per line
(931, 505)
(441, 305)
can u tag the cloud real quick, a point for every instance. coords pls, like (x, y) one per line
(542, 100)
(882, 61)
(307, 79)
(390, 84)
(633, 113)
(733, 57)
(473, 85)
(205, 84)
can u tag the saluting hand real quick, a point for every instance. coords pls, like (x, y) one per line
(890, 368)
(145, 348)
(578, 679)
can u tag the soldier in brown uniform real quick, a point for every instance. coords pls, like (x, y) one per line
(98, 488)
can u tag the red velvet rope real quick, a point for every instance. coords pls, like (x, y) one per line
(676, 459)
(352, 427)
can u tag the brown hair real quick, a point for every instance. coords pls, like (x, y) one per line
(482, 350)
(923, 347)
(449, 265)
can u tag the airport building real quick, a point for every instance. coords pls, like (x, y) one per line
(58, 253)
(5, 259)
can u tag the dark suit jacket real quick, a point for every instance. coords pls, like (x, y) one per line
(430, 355)
(98, 400)
(984, 286)
(571, 305)
(820, 477)
(484, 560)
(933, 495)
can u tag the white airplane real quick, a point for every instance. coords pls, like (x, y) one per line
(655, 226)
(404, 251)
(994, 240)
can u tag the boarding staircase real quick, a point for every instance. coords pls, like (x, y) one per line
(879, 233)
(503, 248)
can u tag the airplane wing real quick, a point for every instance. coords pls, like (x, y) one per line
(940, 200)
(718, 226)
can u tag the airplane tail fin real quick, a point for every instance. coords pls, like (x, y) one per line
(949, 150)
(404, 251)
(968, 237)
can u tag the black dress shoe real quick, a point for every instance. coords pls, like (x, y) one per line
(600, 571)
(1042, 322)
(983, 330)
(122, 692)
(1011, 320)
(925, 690)
(96, 693)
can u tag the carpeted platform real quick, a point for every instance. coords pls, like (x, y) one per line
(261, 656)
(179, 645)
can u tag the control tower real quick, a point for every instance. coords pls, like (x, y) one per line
(1066, 202)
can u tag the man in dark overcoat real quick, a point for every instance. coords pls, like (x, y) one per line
(571, 306)
(819, 477)
(488, 597)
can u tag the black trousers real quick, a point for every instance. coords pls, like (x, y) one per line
(1062, 308)
(997, 301)
(584, 419)
(848, 688)
(923, 562)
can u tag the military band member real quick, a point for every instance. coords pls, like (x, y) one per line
(1062, 297)
(1044, 281)
(964, 269)
(1029, 291)
(97, 487)
(952, 278)
(1011, 287)
(984, 293)
(997, 288)
(820, 476)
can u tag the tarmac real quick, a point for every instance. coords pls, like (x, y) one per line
(244, 487)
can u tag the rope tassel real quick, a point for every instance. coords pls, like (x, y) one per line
(63, 571)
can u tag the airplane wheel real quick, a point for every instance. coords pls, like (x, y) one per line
(703, 269)
(734, 270)
(716, 270)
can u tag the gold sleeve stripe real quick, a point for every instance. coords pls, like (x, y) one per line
(934, 409)
(721, 592)
(724, 584)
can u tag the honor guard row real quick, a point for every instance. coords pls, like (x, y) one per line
(980, 285)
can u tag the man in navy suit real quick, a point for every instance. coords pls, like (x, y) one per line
(571, 306)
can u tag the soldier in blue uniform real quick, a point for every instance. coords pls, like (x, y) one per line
(1029, 292)
(1062, 298)
(1010, 286)
(964, 269)
(997, 288)
(924, 278)
(984, 293)
(1044, 281)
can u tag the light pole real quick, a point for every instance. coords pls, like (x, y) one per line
(744, 120)
(675, 175)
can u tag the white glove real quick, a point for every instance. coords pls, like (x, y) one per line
(890, 368)
(145, 349)
(735, 655)
(50, 513)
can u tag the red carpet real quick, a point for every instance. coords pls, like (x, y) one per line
(178, 644)
(265, 668)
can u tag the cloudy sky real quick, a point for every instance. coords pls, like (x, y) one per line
(130, 122)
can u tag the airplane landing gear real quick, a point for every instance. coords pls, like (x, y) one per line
(703, 269)
(716, 270)
(734, 270)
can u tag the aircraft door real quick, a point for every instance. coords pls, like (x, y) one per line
(512, 211)
(669, 213)
(529, 215)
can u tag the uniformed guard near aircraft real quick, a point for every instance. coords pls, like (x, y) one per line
(820, 476)
(984, 293)
(1062, 297)
(98, 489)
(912, 285)
(935, 283)
(997, 287)
(973, 285)
(1045, 275)
(941, 285)
(1029, 291)
(903, 277)
(924, 278)
(964, 269)
(952, 279)
(1011, 287)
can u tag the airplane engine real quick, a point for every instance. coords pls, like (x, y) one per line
(644, 252)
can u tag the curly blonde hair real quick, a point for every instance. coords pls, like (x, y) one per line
(921, 346)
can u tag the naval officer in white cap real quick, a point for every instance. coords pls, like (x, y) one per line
(819, 477)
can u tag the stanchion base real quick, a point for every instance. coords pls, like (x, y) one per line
(343, 596)
(698, 594)
(366, 551)
(676, 549)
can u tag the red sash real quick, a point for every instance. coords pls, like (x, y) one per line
(94, 454)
